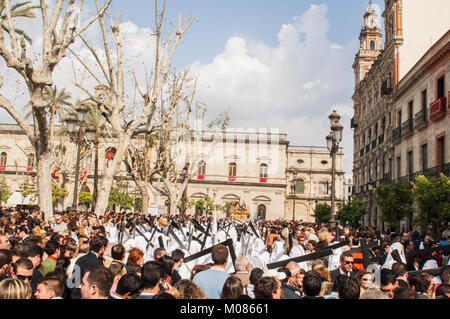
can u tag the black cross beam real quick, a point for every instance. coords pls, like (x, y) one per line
(428, 251)
(434, 272)
(365, 253)
(161, 242)
(180, 243)
(252, 227)
(206, 236)
(318, 254)
(228, 243)
(137, 230)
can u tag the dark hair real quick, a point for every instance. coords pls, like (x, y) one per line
(168, 263)
(118, 252)
(442, 291)
(177, 255)
(419, 282)
(387, 277)
(51, 247)
(102, 278)
(404, 293)
(96, 243)
(164, 295)
(116, 268)
(256, 275)
(158, 251)
(399, 269)
(232, 288)
(445, 276)
(265, 287)
(345, 254)
(312, 283)
(22, 263)
(349, 288)
(53, 284)
(151, 274)
(5, 257)
(18, 250)
(219, 254)
(129, 283)
(338, 281)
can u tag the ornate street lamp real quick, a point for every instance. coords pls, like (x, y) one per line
(333, 139)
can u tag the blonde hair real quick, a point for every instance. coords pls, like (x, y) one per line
(323, 235)
(15, 289)
(430, 292)
(188, 290)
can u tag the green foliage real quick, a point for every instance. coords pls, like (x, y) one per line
(58, 193)
(4, 191)
(120, 199)
(351, 213)
(433, 197)
(322, 213)
(205, 206)
(27, 190)
(85, 199)
(395, 201)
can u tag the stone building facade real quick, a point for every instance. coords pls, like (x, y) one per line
(384, 117)
(249, 167)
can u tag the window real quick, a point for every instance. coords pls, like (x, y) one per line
(399, 167)
(410, 164)
(30, 162)
(232, 171)
(202, 168)
(424, 150)
(300, 186)
(372, 45)
(377, 163)
(323, 187)
(424, 100)
(3, 160)
(263, 170)
(410, 110)
(440, 87)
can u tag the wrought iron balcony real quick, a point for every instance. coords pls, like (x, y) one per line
(368, 148)
(381, 139)
(396, 134)
(361, 153)
(407, 128)
(374, 144)
(353, 123)
(438, 109)
(386, 87)
(421, 119)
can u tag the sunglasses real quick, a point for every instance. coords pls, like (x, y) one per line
(23, 278)
(349, 262)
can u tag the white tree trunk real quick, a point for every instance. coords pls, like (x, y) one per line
(109, 173)
(44, 178)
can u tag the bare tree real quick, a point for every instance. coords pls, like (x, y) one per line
(60, 28)
(110, 93)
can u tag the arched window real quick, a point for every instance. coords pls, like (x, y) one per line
(201, 170)
(30, 162)
(300, 186)
(3, 159)
(263, 168)
(232, 171)
(372, 45)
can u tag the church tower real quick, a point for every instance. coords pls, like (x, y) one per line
(370, 44)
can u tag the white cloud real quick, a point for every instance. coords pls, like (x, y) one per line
(293, 86)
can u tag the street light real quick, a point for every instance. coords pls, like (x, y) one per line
(75, 126)
(294, 185)
(333, 139)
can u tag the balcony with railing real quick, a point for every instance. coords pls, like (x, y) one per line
(438, 109)
(396, 135)
(386, 87)
(381, 139)
(354, 124)
(367, 148)
(407, 128)
(361, 153)
(421, 120)
(374, 143)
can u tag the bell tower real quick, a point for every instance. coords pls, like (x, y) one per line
(370, 44)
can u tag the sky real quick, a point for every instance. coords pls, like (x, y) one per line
(276, 65)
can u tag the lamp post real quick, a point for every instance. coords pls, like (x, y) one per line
(333, 140)
(75, 126)
(294, 185)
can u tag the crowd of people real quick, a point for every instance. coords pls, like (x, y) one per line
(77, 255)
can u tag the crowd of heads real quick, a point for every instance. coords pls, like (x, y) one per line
(69, 256)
